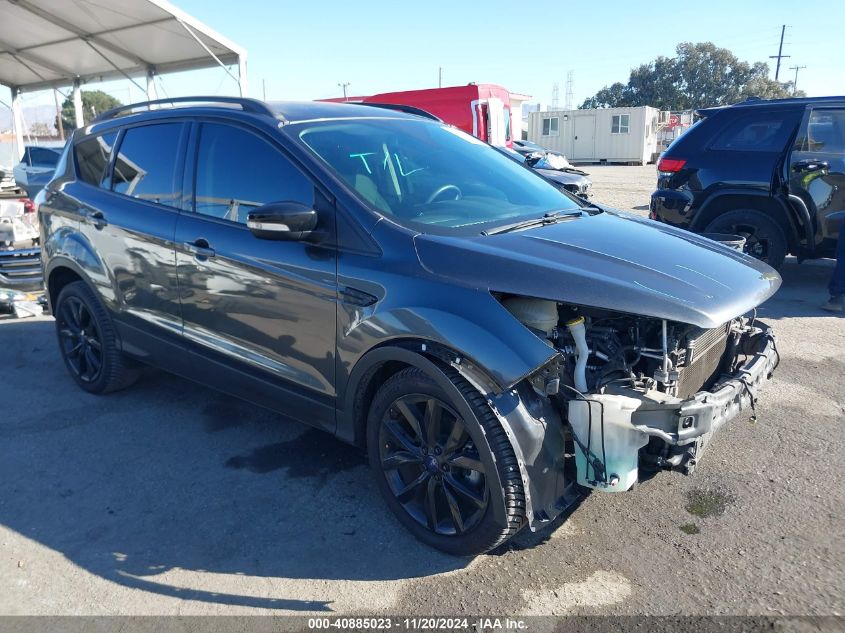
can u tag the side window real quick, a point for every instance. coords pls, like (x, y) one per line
(92, 157)
(620, 124)
(763, 132)
(826, 132)
(237, 172)
(551, 126)
(145, 167)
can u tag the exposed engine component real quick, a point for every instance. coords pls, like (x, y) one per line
(582, 352)
(625, 383)
(536, 314)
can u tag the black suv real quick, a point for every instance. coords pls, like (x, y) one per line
(497, 345)
(771, 171)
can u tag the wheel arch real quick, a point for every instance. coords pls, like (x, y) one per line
(59, 274)
(736, 200)
(382, 362)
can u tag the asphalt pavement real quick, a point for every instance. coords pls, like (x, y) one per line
(169, 498)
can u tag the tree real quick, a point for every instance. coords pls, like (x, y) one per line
(94, 102)
(699, 75)
(39, 128)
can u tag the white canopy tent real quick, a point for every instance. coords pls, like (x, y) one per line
(52, 43)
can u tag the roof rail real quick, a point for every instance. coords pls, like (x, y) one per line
(247, 105)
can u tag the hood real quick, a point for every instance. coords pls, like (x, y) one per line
(563, 177)
(610, 260)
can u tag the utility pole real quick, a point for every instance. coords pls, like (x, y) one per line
(795, 83)
(780, 54)
(344, 86)
(440, 76)
(264, 88)
(59, 114)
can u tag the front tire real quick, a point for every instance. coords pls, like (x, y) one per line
(764, 238)
(88, 341)
(433, 464)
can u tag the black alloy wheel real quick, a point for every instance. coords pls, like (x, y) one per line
(431, 464)
(443, 461)
(764, 238)
(80, 340)
(88, 341)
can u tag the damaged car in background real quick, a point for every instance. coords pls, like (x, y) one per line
(21, 287)
(498, 346)
(555, 168)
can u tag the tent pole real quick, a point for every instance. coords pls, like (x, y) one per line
(77, 103)
(152, 95)
(242, 77)
(17, 121)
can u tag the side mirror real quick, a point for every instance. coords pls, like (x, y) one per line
(282, 221)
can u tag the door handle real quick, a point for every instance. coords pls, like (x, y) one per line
(200, 249)
(95, 218)
(811, 165)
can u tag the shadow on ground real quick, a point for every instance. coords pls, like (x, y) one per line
(171, 476)
(803, 291)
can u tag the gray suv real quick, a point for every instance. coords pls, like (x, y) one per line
(498, 346)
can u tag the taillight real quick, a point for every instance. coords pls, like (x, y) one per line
(28, 205)
(671, 165)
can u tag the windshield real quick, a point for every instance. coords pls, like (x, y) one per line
(430, 176)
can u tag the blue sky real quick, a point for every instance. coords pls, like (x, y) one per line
(302, 50)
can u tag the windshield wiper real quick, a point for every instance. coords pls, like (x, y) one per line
(552, 217)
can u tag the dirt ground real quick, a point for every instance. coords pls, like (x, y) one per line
(623, 187)
(169, 498)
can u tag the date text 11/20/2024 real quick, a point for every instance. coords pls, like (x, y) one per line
(418, 624)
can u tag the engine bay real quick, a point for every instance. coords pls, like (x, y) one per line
(622, 384)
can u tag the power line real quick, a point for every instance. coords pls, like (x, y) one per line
(780, 54)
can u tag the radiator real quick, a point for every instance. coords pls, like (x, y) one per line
(704, 352)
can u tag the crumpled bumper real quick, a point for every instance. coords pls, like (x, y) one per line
(687, 425)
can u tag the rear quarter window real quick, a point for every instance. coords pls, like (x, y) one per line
(92, 158)
(146, 164)
(40, 157)
(756, 132)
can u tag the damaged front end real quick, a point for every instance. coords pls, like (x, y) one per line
(631, 393)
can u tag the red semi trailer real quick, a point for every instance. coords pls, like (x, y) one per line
(483, 110)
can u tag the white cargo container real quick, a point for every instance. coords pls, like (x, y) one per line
(612, 135)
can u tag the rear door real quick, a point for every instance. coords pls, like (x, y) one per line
(817, 168)
(37, 167)
(127, 205)
(261, 311)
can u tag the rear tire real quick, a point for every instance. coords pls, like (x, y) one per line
(430, 463)
(764, 237)
(88, 341)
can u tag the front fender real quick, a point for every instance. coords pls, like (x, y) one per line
(484, 332)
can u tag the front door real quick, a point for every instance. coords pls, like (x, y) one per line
(262, 312)
(817, 169)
